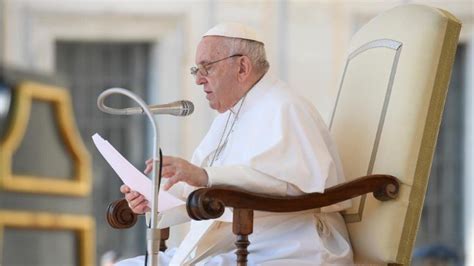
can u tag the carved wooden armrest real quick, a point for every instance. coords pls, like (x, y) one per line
(209, 203)
(120, 216)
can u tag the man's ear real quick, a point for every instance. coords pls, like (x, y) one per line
(245, 68)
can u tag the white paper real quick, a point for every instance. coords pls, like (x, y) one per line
(134, 178)
(137, 181)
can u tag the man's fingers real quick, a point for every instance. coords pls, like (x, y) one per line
(170, 183)
(132, 196)
(149, 166)
(148, 169)
(129, 197)
(168, 171)
(137, 202)
(144, 208)
(169, 160)
(140, 209)
(124, 189)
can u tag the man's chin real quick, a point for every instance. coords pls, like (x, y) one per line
(213, 106)
(217, 108)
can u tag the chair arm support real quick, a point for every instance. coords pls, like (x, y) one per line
(120, 216)
(209, 203)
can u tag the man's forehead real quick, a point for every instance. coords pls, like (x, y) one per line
(209, 48)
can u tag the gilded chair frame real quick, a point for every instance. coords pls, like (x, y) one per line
(24, 94)
(82, 226)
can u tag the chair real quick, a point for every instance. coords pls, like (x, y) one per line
(385, 121)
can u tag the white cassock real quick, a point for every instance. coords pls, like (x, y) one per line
(278, 145)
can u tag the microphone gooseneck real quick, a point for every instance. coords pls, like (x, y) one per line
(178, 108)
(153, 232)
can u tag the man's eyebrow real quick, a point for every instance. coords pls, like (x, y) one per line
(203, 62)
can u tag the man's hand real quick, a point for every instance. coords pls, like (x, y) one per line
(180, 170)
(136, 201)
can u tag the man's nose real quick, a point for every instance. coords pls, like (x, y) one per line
(199, 79)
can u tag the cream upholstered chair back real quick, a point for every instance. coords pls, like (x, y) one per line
(386, 121)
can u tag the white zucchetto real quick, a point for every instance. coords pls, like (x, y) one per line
(234, 30)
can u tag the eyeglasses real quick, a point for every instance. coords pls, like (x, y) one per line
(202, 69)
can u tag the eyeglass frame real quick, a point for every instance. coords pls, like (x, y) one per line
(202, 68)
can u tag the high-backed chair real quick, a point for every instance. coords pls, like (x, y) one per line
(385, 123)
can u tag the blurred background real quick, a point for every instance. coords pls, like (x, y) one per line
(147, 46)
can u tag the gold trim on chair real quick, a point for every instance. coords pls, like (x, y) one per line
(80, 184)
(83, 227)
(430, 136)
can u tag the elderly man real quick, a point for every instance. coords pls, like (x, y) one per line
(267, 140)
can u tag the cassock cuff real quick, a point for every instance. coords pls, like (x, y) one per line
(234, 176)
(215, 174)
(208, 180)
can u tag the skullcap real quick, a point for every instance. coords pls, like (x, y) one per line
(234, 30)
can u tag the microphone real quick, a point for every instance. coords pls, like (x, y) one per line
(178, 108)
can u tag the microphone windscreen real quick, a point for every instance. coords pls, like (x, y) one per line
(188, 108)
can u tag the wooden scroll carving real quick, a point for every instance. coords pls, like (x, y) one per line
(120, 216)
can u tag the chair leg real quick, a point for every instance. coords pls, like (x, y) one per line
(242, 226)
(164, 235)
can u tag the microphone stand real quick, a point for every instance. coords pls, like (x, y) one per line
(153, 232)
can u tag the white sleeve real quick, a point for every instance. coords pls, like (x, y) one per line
(177, 190)
(246, 178)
